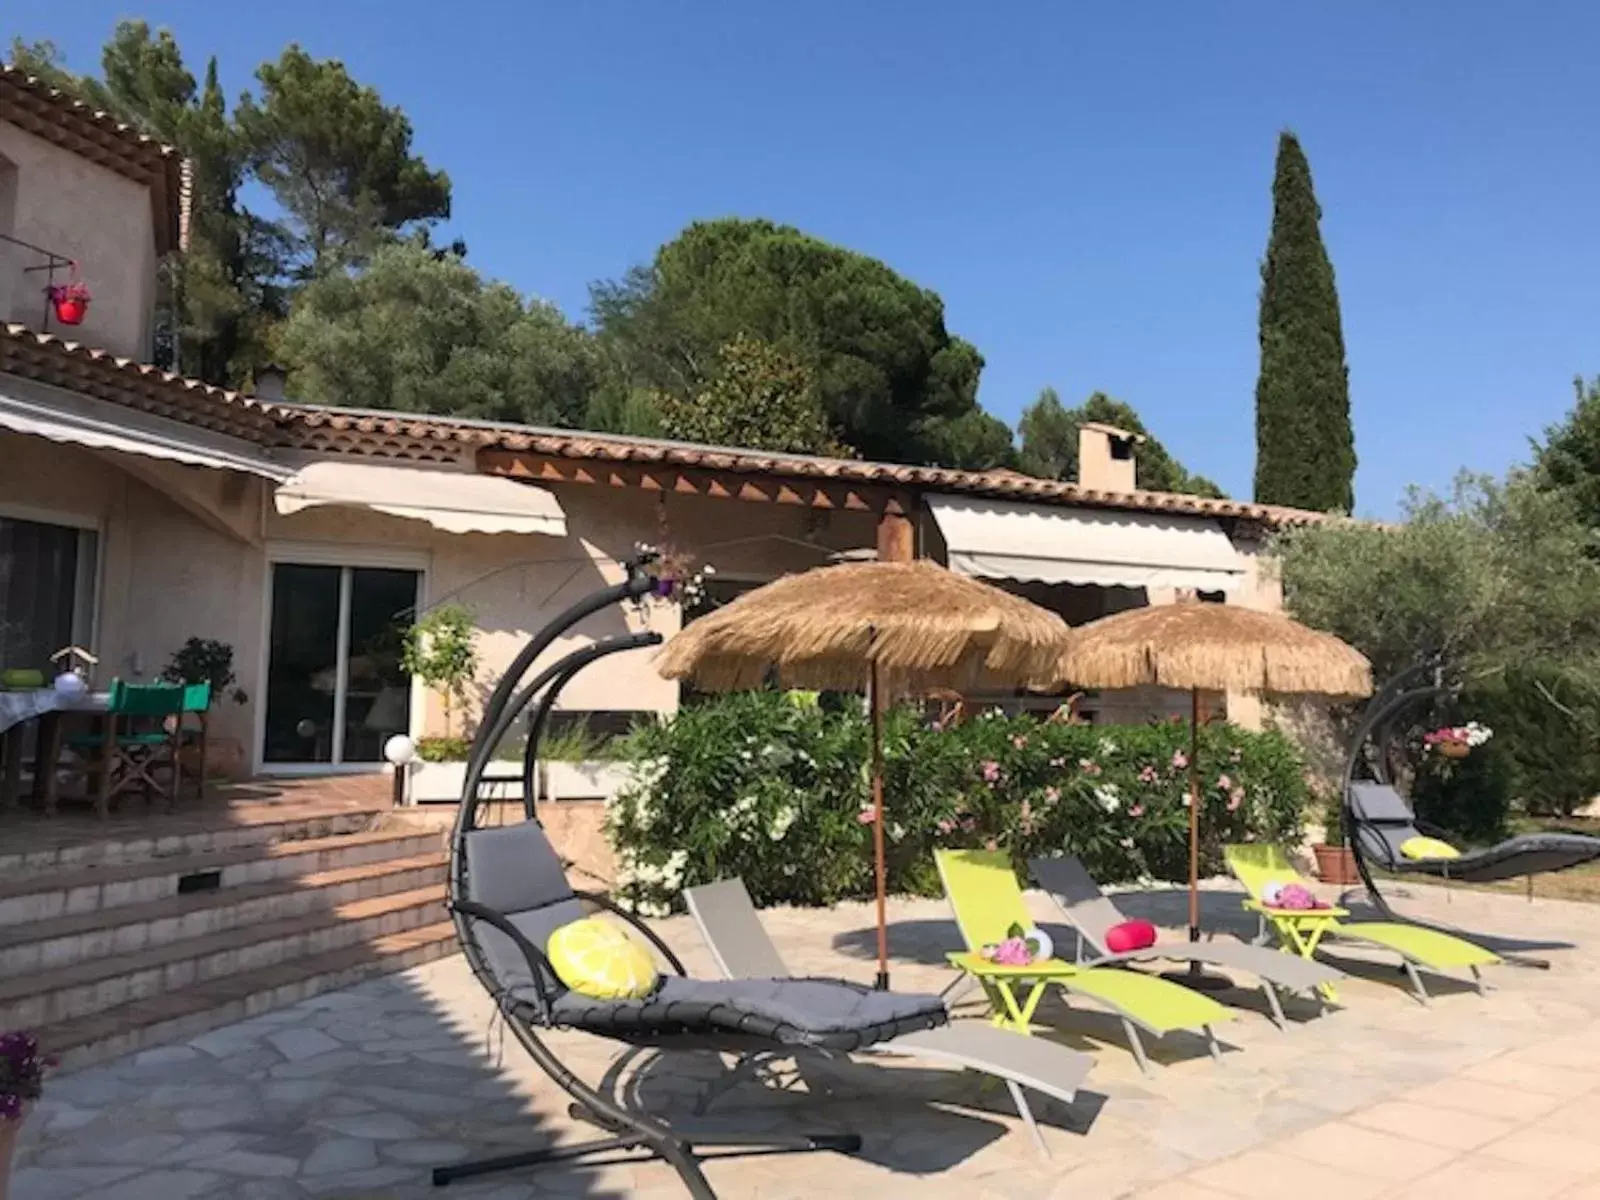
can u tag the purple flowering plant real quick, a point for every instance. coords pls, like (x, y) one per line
(22, 1070)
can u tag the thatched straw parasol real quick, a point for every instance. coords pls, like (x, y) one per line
(903, 628)
(1211, 647)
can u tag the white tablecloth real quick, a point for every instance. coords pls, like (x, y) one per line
(26, 706)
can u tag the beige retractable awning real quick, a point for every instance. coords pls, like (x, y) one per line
(454, 501)
(997, 539)
(62, 416)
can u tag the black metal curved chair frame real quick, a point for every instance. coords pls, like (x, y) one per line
(1378, 820)
(507, 887)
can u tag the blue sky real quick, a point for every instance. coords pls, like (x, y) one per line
(1086, 186)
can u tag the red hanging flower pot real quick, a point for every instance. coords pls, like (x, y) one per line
(70, 301)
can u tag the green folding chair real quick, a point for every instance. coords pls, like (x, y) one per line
(139, 741)
(1301, 931)
(983, 892)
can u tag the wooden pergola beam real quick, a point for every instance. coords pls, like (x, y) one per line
(694, 481)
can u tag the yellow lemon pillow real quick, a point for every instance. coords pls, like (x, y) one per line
(596, 958)
(1426, 847)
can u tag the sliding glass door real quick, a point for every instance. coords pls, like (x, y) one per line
(335, 688)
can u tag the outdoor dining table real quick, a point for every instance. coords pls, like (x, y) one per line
(46, 706)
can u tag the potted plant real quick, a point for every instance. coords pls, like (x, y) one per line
(206, 660)
(441, 650)
(70, 300)
(22, 1070)
(1336, 862)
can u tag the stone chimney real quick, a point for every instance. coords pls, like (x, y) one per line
(269, 381)
(1105, 457)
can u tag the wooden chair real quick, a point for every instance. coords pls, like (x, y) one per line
(196, 703)
(142, 732)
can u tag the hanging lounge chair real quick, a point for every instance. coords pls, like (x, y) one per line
(511, 893)
(1382, 823)
(739, 944)
(508, 892)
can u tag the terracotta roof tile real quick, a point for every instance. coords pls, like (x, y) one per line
(47, 112)
(321, 428)
(418, 437)
(93, 372)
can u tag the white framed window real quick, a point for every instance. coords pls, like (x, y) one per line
(49, 584)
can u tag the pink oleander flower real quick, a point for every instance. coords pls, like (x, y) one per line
(1235, 799)
(866, 816)
(1136, 810)
(1019, 742)
(990, 844)
(991, 771)
(1088, 766)
(1149, 774)
(1180, 760)
(946, 825)
(1224, 784)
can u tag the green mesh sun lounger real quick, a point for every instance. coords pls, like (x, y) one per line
(1301, 931)
(732, 930)
(1093, 914)
(983, 892)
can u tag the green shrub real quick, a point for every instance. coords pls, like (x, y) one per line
(1546, 722)
(1469, 798)
(773, 788)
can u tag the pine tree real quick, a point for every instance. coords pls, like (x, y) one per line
(1305, 449)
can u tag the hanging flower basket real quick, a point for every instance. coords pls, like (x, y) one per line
(70, 300)
(1457, 741)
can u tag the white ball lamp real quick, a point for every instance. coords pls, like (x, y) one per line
(399, 751)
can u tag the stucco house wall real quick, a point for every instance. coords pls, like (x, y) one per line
(78, 209)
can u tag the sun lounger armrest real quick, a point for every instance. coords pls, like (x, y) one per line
(538, 964)
(650, 935)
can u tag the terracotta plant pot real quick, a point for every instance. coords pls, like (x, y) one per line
(9, 1132)
(225, 758)
(1453, 749)
(1336, 865)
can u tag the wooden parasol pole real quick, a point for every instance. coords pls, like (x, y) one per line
(1194, 814)
(879, 865)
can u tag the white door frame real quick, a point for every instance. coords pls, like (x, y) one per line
(327, 554)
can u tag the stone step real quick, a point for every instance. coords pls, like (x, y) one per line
(62, 941)
(188, 1012)
(99, 985)
(48, 894)
(238, 825)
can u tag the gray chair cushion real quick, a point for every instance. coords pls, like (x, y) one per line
(819, 1012)
(1379, 802)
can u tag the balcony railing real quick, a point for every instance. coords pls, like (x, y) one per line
(27, 273)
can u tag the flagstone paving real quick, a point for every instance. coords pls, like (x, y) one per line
(357, 1093)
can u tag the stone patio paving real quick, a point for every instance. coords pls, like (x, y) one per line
(356, 1094)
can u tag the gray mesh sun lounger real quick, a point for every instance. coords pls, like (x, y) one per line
(739, 944)
(1093, 913)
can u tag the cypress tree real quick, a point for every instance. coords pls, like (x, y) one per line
(1305, 449)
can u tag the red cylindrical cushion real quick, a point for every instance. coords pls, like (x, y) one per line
(1130, 935)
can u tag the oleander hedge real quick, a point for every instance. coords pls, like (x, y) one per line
(774, 788)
